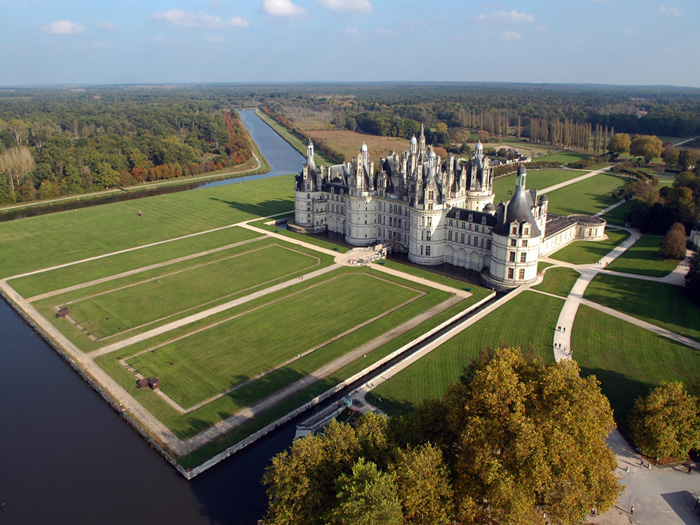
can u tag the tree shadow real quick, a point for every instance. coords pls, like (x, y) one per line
(260, 208)
(684, 504)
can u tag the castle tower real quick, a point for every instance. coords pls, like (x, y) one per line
(421, 140)
(414, 145)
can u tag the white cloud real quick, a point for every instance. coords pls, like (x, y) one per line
(163, 40)
(629, 31)
(107, 26)
(347, 6)
(63, 27)
(670, 11)
(511, 35)
(216, 39)
(186, 20)
(283, 8)
(505, 16)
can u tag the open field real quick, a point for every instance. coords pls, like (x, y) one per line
(660, 304)
(349, 142)
(564, 157)
(558, 281)
(38, 242)
(287, 334)
(643, 258)
(138, 301)
(588, 252)
(586, 197)
(536, 317)
(311, 239)
(204, 364)
(535, 179)
(626, 359)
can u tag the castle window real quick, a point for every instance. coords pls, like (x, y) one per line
(430, 195)
(450, 222)
(511, 256)
(513, 242)
(462, 238)
(427, 250)
(521, 273)
(427, 236)
(527, 231)
(449, 235)
(469, 240)
(488, 244)
(482, 242)
(510, 273)
(523, 257)
(524, 242)
(430, 222)
(421, 249)
(308, 195)
(514, 230)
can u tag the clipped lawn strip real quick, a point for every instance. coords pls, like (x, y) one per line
(558, 281)
(627, 360)
(58, 238)
(643, 258)
(311, 239)
(223, 442)
(535, 179)
(47, 307)
(660, 304)
(587, 196)
(200, 419)
(528, 319)
(256, 343)
(588, 252)
(123, 262)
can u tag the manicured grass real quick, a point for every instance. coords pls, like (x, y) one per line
(123, 262)
(643, 258)
(617, 215)
(626, 359)
(586, 197)
(162, 296)
(311, 239)
(535, 179)
(660, 304)
(214, 360)
(201, 418)
(558, 281)
(564, 157)
(528, 319)
(48, 240)
(588, 252)
(424, 273)
(542, 265)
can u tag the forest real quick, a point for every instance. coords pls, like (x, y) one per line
(61, 141)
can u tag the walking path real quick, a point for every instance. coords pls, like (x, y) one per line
(573, 181)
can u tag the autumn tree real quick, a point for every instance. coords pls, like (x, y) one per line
(670, 155)
(646, 146)
(673, 243)
(17, 162)
(619, 143)
(692, 279)
(666, 422)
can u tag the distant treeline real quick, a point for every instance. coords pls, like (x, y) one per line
(58, 142)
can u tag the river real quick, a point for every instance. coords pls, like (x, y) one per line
(66, 457)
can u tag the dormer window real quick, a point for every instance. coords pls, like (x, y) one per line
(527, 230)
(514, 230)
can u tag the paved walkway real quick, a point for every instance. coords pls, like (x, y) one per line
(573, 181)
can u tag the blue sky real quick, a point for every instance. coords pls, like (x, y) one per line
(175, 41)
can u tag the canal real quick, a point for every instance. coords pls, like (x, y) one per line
(65, 457)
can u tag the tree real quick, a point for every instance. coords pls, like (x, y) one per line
(670, 155)
(666, 422)
(673, 243)
(367, 496)
(619, 143)
(18, 162)
(692, 279)
(646, 146)
(688, 158)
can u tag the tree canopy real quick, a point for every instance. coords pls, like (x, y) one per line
(619, 143)
(666, 423)
(512, 441)
(646, 146)
(673, 243)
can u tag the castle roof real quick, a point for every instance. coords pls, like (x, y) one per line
(518, 209)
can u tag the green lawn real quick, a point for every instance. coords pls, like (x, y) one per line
(214, 360)
(664, 305)
(643, 258)
(588, 252)
(535, 179)
(529, 319)
(564, 157)
(426, 273)
(558, 281)
(123, 262)
(311, 239)
(169, 292)
(626, 359)
(47, 240)
(586, 197)
(617, 215)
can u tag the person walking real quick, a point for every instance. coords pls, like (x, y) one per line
(632, 510)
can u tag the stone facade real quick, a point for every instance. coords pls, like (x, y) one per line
(436, 211)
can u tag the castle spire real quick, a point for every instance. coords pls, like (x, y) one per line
(421, 145)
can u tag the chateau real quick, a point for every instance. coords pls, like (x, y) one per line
(437, 212)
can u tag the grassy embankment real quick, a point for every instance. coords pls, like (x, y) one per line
(558, 281)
